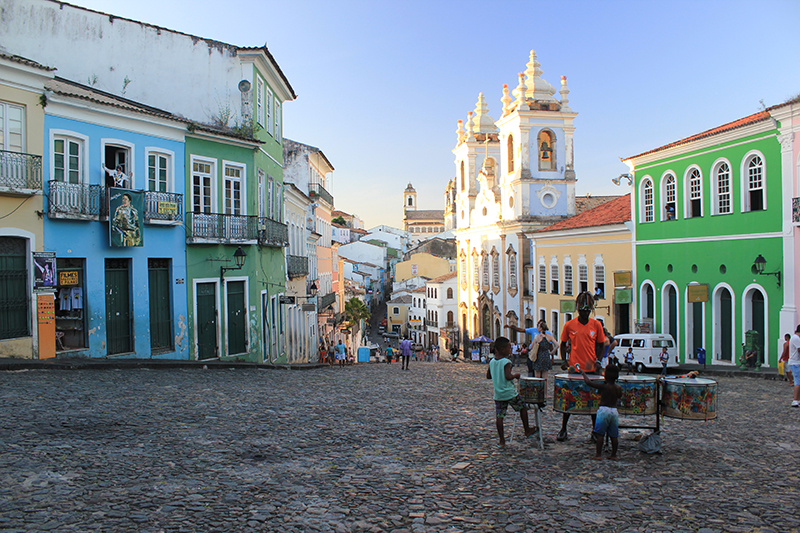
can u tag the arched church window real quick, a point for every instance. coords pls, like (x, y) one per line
(547, 154)
(462, 177)
(510, 148)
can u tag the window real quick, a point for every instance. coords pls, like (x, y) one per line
(475, 271)
(277, 120)
(269, 118)
(485, 264)
(158, 172)
(233, 176)
(202, 178)
(449, 293)
(542, 277)
(395, 310)
(271, 197)
(694, 207)
(599, 281)
(449, 318)
(260, 100)
(463, 274)
(510, 148)
(670, 198)
(568, 280)
(512, 270)
(546, 153)
(554, 322)
(647, 200)
(495, 270)
(14, 287)
(67, 159)
(755, 184)
(583, 278)
(554, 278)
(117, 156)
(462, 177)
(723, 182)
(12, 125)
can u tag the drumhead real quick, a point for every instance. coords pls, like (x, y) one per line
(692, 381)
(637, 379)
(579, 377)
(531, 378)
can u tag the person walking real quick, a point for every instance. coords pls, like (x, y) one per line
(405, 353)
(545, 347)
(794, 364)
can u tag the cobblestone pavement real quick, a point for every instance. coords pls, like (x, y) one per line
(370, 448)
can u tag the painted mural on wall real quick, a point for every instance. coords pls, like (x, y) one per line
(126, 222)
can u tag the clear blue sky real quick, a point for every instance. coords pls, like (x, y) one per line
(381, 84)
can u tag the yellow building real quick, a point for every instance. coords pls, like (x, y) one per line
(583, 253)
(422, 264)
(21, 228)
(397, 314)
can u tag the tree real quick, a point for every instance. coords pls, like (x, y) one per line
(355, 310)
(339, 220)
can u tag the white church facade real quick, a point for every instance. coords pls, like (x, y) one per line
(514, 175)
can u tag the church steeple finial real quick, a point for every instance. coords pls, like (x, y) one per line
(483, 123)
(519, 92)
(564, 95)
(538, 89)
(470, 136)
(460, 132)
(506, 99)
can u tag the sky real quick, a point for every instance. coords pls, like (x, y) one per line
(381, 85)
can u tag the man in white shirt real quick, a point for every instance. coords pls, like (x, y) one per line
(514, 354)
(794, 364)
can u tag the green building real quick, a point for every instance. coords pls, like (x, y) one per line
(235, 233)
(704, 209)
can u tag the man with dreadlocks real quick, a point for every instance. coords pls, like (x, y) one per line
(586, 340)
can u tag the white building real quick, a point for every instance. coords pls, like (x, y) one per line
(364, 252)
(442, 311)
(416, 317)
(513, 175)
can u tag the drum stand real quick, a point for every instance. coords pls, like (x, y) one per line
(536, 408)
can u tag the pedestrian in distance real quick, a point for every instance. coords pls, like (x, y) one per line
(629, 361)
(794, 364)
(505, 394)
(389, 354)
(582, 339)
(405, 353)
(664, 358)
(787, 373)
(607, 422)
(514, 353)
(341, 353)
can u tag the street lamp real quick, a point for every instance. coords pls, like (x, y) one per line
(760, 264)
(239, 257)
(628, 177)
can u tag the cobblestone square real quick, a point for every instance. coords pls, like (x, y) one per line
(371, 448)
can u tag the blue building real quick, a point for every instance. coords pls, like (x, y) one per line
(114, 185)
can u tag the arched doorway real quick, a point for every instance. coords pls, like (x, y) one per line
(755, 319)
(724, 312)
(694, 331)
(649, 302)
(670, 319)
(486, 321)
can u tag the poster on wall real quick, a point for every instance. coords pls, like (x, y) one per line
(125, 211)
(44, 271)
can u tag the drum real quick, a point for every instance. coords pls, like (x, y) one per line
(572, 395)
(638, 395)
(531, 390)
(690, 398)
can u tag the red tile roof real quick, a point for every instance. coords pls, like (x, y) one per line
(746, 121)
(445, 277)
(616, 211)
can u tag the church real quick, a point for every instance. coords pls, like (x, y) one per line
(514, 175)
(421, 224)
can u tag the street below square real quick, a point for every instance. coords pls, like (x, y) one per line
(372, 448)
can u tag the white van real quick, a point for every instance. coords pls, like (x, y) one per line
(646, 349)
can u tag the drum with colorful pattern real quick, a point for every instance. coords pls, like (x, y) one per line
(638, 395)
(531, 390)
(690, 398)
(572, 395)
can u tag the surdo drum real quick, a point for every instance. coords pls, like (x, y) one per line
(572, 395)
(531, 390)
(690, 398)
(638, 395)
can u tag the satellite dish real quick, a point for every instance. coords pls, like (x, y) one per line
(244, 86)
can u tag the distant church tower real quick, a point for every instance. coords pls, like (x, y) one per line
(409, 198)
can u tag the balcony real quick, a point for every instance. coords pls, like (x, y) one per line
(325, 301)
(317, 191)
(163, 207)
(235, 229)
(75, 201)
(296, 266)
(20, 171)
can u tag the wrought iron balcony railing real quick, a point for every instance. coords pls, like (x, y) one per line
(75, 200)
(20, 171)
(163, 206)
(223, 228)
(296, 265)
(316, 190)
(325, 301)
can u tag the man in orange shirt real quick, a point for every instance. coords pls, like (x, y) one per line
(586, 340)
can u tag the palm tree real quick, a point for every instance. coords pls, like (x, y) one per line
(355, 310)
